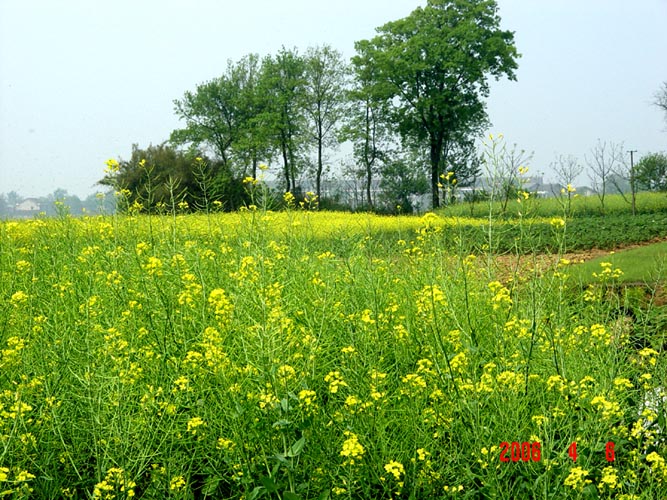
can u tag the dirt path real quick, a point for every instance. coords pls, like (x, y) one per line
(526, 265)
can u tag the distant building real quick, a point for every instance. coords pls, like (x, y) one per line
(586, 191)
(27, 207)
(541, 189)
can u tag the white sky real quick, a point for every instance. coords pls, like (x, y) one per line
(82, 80)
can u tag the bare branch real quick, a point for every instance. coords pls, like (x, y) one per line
(661, 98)
(567, 169)
(605, 158)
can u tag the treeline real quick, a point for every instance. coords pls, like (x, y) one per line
(14, 205)
(410, 103)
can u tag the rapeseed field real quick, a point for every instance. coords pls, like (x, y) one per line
(300, 354)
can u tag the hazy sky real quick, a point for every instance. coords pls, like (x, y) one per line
(82, 80)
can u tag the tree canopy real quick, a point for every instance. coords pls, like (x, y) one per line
(163, 176)
(435, 64)
(651, 172)
(421, 83)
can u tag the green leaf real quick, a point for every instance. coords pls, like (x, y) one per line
(256, 493)
(295, 449)
(211, 485)
(282, 423)
(288, 495)
(281, 458)
(269, 484)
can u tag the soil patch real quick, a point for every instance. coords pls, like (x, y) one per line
(524, 266)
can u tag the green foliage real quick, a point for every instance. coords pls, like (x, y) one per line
(651, 172)
(423, 78)
(572, 206)
(324, 101)
(162, 177)
(284, 85)
(229, 115)
(402, 178)
(301, 355)
(368, 122)
(212, 117)
(639, 265)
(253, 144)
(435, 65)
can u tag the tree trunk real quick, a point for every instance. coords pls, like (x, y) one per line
(318, 178)
(368, 184)
(368, 160)
(286, 167)
(436, 152)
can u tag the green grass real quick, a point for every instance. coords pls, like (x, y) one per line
(579, 206)
(646, 264)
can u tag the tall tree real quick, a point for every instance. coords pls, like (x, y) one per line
(567, 169)
(367, 123)
(283, 82)
(325, 75)
(651, 172)
(437, 62)
(252, 143)
(212, 116)
(605, 159)
(13, 199)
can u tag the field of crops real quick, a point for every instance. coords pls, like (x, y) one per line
(300, 354)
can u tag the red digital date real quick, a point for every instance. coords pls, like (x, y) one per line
(525, 452)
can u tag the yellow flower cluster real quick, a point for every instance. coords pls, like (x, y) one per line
(396, 469)
(609, 479)
(115, 481)
(577, 478)
(658, 466)
(335, 381)
(307, 398)
(608, 272)
(501, 296)
(352, 450)
(176, 483)
(221, 305)
(194, 425)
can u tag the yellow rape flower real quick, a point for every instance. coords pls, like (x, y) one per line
(194, 423)
(176, 483)
(112, 166)
(577, 478)
(352, 450)
(396, 469)
(19, 297)
(609, 479)
(335, 381)
(286, 372)
(225, 444)
(307, 397)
